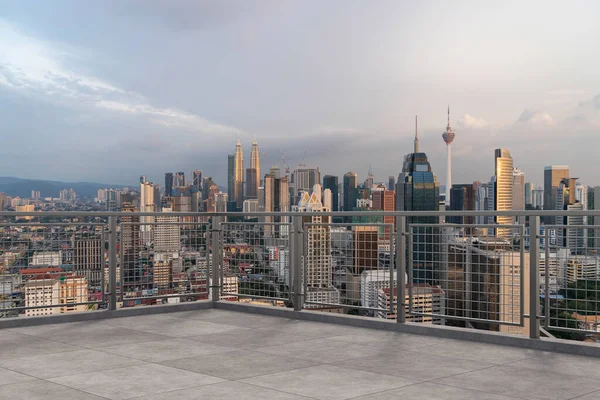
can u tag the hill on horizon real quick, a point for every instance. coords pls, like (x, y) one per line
(14, 187)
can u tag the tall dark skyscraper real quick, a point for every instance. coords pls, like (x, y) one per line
(462, 198)
(350, 188)
(169, 184)
(331, 182)
(391, 183)
(251, 184)
(239, 175)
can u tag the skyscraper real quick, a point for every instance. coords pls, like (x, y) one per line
(180, 179)
(385, 200)
(462, 198)
(448, 137)
(251, 184)
(503, 193)
(553, 175)
(130, 248)
(331, 182)
(573, 239)
(391, 182)
(255, 163)
(593, 203)
(518, 189)
(303, 180)
(146, 205)
(529, 186)
(197, 179)
(88, 259)
(169, 184)
(239, 176)
(277, 199)
(350, 186)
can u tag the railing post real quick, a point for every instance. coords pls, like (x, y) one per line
(534, 276)
(112, 262)
(217, 252)
(400, 268)
(296, 261)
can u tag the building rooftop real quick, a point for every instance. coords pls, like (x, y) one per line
(220, 354)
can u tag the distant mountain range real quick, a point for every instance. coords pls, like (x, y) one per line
(22, 187)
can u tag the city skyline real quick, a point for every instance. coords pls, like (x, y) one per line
(165, 108)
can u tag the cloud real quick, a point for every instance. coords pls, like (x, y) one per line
(535, 118)
(470, 122)
(35, 68)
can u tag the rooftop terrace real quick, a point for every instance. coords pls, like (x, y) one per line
(220, 354)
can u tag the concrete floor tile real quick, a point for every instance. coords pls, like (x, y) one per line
(432, 391)
(321, 350)
(166, 349)
(7, 377)
(42, 390)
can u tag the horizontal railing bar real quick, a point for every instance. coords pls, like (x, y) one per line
(249, 296)
(87, 303)
(164, 296)
(347, 306)
(470, 319)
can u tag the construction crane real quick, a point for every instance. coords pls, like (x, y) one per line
(285, 164)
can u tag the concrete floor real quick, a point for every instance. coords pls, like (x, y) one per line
(217, 354)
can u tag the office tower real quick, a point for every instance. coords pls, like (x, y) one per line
(206, 185)
(503, 191)
(3, 200)
(146, 205)
(331, 182)
(448, 137)
(89, 259)
(250, 206)
(327, 199)
(574, 239)
(370, 182)
(593, 203)
(518, 190)
(462, 198)
(179, 179)
(251, 184)
(239, 176)
(303, 180)
(391, 182)
(230, 177)
(537, 198)
(196, 204)
(169, 184)
(366, 248)
(167, 234)
(319, 260)
(255, 162)
(553, 175)
(211, 201)
(529, 193)
(130, 248)
(221, 202)
(156, 197)
(385, 200)
(197, 179)
(350, 191)
(277, 199)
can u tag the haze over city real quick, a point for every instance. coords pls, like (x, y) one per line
(109, 91)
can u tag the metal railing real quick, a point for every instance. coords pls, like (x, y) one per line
(425, 267)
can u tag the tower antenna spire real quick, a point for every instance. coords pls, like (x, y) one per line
(416, 136)
(448, 115)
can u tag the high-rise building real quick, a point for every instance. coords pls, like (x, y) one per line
(130, 248)
(303, 180)
(239, 176)
(462, 198)
(331, 182)
(553, 175)
(503, 191)
(277, 199)
(146, 205)
(350, 190)
(385, 200)
(366, 248)
(573, 239)
(319, 259)
(391, 182)
(230, 177)
(448, 137)
(480, 200)
(167, 235)
(179, 179)
(251, 184)
(197, 179)
(593, 203)
(206, 185)
(529, 186)
(518, 190)
(169, 184)
(89, 259)
(221, 202)
(255, 163)
(49, 290)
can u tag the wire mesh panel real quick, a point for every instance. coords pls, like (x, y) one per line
(570, 278)
(467, 275)
(349, 266)
(162, 260)
(49, 268)
(256, 262)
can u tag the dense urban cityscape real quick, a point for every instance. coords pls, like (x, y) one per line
(350, 259)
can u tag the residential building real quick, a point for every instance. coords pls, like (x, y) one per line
(371, 281)
(428, 301)
(167, 235)
(89, 259)
(553, 175)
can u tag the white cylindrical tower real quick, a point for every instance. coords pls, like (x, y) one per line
(448, 137)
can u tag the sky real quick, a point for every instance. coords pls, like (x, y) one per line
(108, 91)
